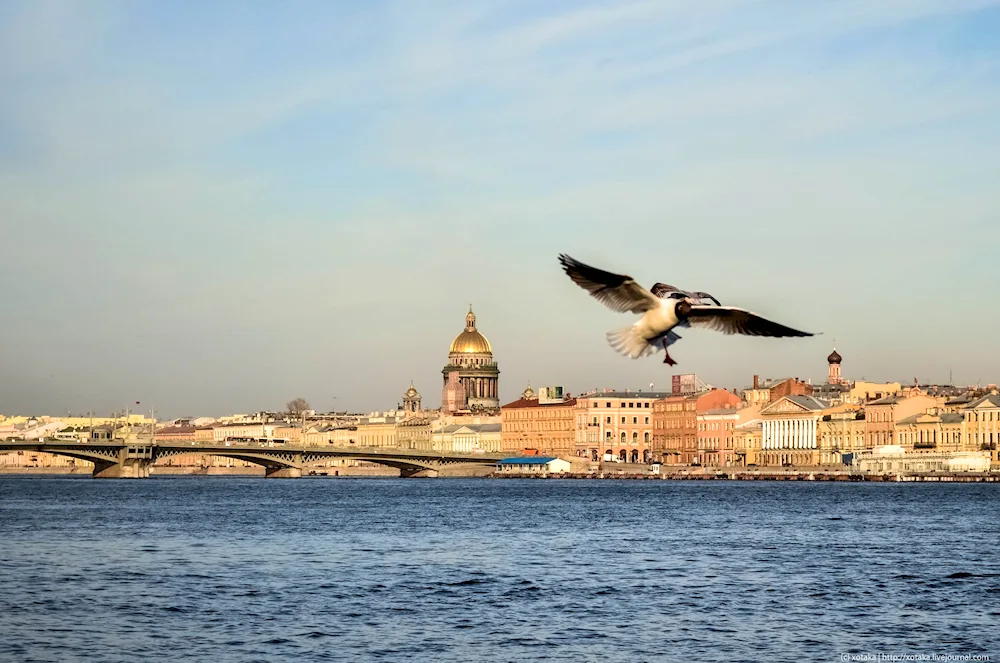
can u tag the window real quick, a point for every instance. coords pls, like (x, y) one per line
(646, 404)
(607, 404)
(608, 420)
(623, 405)
(647, 420)
(631, 404)
(623, 420)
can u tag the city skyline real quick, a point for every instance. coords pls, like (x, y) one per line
(209, 210)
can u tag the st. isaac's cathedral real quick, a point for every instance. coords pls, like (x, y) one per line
(471, 377)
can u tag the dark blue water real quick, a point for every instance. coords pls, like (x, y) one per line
(233, 569)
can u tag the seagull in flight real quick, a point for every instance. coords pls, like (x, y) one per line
(664, 309)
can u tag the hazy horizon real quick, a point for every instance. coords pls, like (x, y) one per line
(218, 207)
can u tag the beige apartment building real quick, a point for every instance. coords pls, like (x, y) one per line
(982, 425)
(841, 432)
(377, 431)
(616, 422)
(881, 416)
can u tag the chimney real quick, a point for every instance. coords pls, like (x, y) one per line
(756, 382)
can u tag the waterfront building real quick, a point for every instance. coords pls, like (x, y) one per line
(243, 431)
(930, 431)
(675, 423)
(291, 434)
(467, 438)
(544, 427)
(616, 422)
(894, 459)
(471, 376)
(716, 431)
(881, 416)
(377, 430)
(841, 433)
(414, 432)
(533, 465)
(747, 438)
(982, 425)
(318, 435)
(790, 431)
(175, 434)
(344, 435)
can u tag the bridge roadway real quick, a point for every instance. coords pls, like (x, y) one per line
(132, 459)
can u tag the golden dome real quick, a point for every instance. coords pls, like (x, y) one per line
(471, 341)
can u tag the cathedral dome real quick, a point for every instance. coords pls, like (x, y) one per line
(834, 357)
(471, 341)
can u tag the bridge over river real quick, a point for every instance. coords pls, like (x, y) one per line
(119, 459)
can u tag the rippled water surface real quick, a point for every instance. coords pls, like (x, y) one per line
(234, 569)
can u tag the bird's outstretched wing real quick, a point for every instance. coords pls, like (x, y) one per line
(729, 320)
(618, 292)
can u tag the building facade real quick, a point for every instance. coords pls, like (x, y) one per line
(619, 423)
(675, 423)
(881, 416)
(716, 437)
(982, 425)
(546, 428)
(790, 431)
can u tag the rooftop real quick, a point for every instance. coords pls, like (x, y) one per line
(655, 395)
(943, 418)
(533, 402)
(989, 400)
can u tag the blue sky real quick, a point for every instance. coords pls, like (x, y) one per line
(214, 207)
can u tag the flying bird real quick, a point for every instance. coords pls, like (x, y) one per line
(663, 310)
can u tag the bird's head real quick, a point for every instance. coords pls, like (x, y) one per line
(683, 308)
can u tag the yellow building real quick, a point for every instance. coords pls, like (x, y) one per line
(747, 442)
(377, 431)
(931, 431)
(881, 416)
(982, 425)
(414, 433)
(841, 432)
(529, 423)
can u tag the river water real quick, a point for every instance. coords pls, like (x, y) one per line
(225, 569)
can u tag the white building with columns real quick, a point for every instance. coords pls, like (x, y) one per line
(790, 434)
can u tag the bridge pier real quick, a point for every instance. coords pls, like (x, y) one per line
(282, 473)
(126, 469)
(417, 472)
